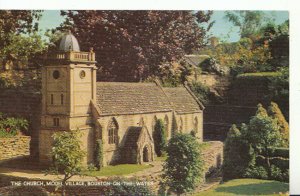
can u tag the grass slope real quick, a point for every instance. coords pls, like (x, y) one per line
(117, 170)
(247, 187)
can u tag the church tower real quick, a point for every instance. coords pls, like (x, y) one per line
(68, 86)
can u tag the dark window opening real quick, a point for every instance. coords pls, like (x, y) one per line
(56, 122)
(62, 99)
(52, 99)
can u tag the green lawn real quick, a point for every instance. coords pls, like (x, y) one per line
(118, 170)
(247, 187)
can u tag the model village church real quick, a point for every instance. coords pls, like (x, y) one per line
(122, 115)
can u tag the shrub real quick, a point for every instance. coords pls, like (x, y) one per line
(263, 131)
(160, 137)
(279, 174)
(256, 172)
(184, 168)
(275, 113)
(201, 91)
(263, 134)
(10, 126)
(238, 155)
(193, 133)
(281, 163)
(67, 155)
(99, 154)
(211, 65)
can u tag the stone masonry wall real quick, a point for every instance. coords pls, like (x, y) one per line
(14, 147)
(125, 121)
(26, 104)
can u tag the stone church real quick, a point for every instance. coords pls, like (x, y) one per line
(122, 114)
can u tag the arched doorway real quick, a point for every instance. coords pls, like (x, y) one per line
(146, 154)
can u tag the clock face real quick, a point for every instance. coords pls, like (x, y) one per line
(82, 74)
(56, 74)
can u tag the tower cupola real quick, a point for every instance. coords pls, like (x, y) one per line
(69, 43)
(69, 51)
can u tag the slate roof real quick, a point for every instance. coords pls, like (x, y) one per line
(116, 98)
(182, 100)
(195, 60)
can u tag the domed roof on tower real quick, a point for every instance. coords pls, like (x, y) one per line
(69, 43)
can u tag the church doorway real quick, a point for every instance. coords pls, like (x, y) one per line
(146, 154)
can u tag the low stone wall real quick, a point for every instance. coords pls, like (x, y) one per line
(14, 147)
(25, 104)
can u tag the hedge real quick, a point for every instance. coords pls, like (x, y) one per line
(278, 152)
(283, 164)
(279, 162)
(260, 78)
(281, 152)
(258, 75)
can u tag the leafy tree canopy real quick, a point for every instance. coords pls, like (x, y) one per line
(67, 155)
(184, 167)
(18, 34)
(133, 45)
(249, 22)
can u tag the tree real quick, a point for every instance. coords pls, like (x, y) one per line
(184, 167)
(160, 137)
(243, 56)
(263, 134)
(238, 154)
(277, 37)
(275, 112)
(19, 41)
(14, 23)
(67, 155)
(249, 22)
(24, 48)
(17, 21)
(133, 45)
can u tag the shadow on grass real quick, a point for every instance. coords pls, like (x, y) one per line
(23, 162)
(264, 188)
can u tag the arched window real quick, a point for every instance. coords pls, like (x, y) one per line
(196, 125)
(166, 123)
(113, 132)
